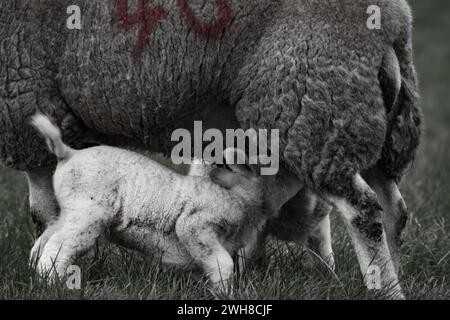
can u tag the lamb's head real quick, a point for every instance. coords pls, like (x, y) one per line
(246, 179)
(241, 178)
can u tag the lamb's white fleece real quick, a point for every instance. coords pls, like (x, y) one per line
(188, 221)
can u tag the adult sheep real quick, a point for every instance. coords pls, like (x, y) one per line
(342, 96)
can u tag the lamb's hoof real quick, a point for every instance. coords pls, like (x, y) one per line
(397, 295)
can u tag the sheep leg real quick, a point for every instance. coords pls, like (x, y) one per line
(78, 233)
(362, 214)
(219, 267)
(394, 208)
(40, 243)
(43, 205)
(319, 241)
(205, 248)
(254, 253)
(304, 220)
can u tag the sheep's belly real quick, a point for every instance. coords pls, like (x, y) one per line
(163, 247)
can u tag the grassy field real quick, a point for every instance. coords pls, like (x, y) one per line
(425, 272)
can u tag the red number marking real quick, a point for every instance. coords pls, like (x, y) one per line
(148, 18)
(205, 29)
(145, 16)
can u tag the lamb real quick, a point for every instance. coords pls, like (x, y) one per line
(188, 221)
(345, 98)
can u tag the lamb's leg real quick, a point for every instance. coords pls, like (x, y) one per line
(205, 248)
(78, 233)
(43, 205)
(363, 216)
(218, 265)
(394, 209)
(40, 243)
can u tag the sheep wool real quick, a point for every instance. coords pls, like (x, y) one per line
(310, 68)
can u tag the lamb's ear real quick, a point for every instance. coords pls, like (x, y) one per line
(200, 168)
(224, 178)
(238, 162)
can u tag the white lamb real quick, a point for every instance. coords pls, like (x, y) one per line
(188, 221)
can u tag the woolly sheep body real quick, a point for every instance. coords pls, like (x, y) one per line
(297, 66)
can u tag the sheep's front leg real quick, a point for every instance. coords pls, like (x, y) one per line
(363, 216)
(43, 205)
(205, 248)
(395, 211)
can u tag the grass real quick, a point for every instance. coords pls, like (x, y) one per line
(114, 273)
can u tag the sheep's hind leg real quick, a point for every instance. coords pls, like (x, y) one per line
(305, 219)
(394, 208)
(362, 214)
(78, 233)
(319, 240)
(254, 253)
(43, 205)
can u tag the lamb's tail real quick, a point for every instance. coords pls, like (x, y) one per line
(52, 135)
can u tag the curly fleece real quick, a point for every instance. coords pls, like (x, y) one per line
(310, 68)
(316, 76)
